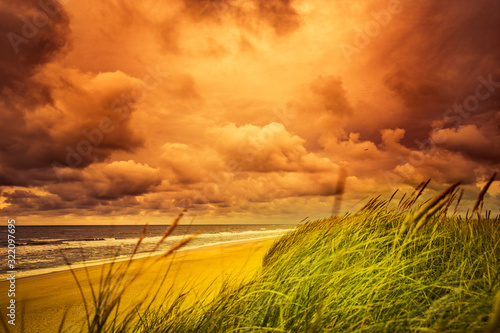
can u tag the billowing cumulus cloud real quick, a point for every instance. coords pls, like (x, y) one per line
(93, 188)
(481, 143)
(265, 149)
(245, 111)
(87, 119)
(119, 179)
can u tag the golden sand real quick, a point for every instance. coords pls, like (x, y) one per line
(41, 301)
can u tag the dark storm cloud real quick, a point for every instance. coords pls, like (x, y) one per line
(279, 15)
(436, 55)
(119, 179)
(331, 94)
(94, 188)
(258, 107)
(319, 110)
(32, 33)
(44, 113)
(25, 200)
(76, 130)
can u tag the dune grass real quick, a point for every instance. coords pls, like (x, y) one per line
(409, 268)
(391, 267)
(103, 312)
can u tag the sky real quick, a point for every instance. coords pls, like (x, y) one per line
(126, 112)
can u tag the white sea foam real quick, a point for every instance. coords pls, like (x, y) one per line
(39, 254)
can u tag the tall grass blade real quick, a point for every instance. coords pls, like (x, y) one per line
(480, 197)
(426, 211)
(169, 230)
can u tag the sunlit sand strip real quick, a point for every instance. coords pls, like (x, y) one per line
(43, 299)
(89, 262)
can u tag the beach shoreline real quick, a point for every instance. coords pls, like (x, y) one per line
(42, 300)
(122, 258)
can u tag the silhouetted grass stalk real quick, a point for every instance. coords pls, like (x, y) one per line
(115, 278)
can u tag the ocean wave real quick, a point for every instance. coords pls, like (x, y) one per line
(78, 263)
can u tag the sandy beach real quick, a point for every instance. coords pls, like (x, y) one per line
(41, 301)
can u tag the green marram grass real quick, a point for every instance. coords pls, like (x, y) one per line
(384, 269)
(391, 267)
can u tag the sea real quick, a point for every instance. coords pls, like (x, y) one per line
(42, 249)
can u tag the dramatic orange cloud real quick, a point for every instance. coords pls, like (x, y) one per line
(125, 112)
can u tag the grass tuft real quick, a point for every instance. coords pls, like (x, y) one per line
(388, 268)
(105, 313)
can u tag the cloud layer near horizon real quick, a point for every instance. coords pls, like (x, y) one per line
(246, 110)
